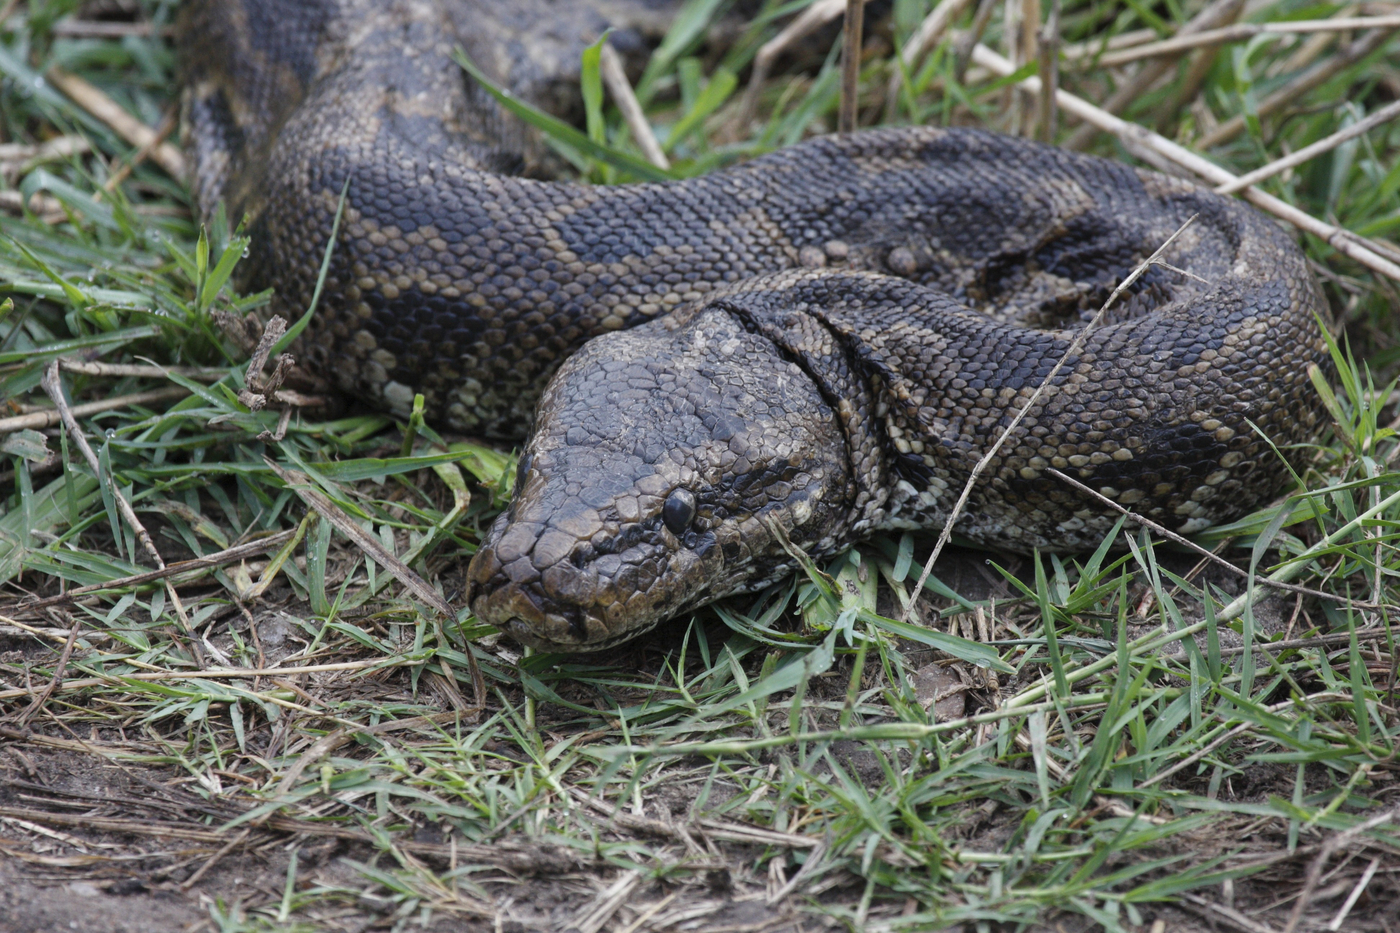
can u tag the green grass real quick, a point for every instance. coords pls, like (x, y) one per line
(1129, 734)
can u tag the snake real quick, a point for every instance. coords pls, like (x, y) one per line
(717, 375)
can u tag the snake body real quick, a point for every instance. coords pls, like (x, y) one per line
(792, 353)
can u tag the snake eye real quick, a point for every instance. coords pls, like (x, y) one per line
(679, 511)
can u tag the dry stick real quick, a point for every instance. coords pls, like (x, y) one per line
(318, 750)
(50, 417)
(48, 210)
(596, 916)
(119, 370)
(491, 855)
(237, 673)
(807, 22)
(1385, 114)
(1228, 914)
(1355, 895)
(23, 156)
(1317, 641)
(1096, 47)
(167, 125)
(610, 64)
(124, 124)
(42, 696)
(70, 422)
(1020, 33)
(1344, 241)
(924, 39)
(217, 559)
(99, 29)
(850, 66)
(1332, 845)
(814, 860)
(963, 54)
(1074, 347)
(1209, 555)
(1239, 32)
(1221, 11)
(1050, 70)
(723, 830)
(1300, 86)
(214, 859)
(1196, 756)
(300, 484)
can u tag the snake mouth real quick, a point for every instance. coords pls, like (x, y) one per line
(571, 605)
(512, 598)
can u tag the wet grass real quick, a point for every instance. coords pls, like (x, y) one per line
(1093, 736)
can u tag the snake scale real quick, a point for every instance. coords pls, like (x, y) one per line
(797, 351)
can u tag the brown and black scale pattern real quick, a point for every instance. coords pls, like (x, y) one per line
(815, 345)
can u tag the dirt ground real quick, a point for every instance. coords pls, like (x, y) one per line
(95, 845)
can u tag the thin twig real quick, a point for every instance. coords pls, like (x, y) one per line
(49, 210)
(147, 371)
(610, 65)
(1196, 756)
(101, 29)
(1238, 33)
(214, 859)
(1221, 11)
(50, 417)
(1021, 35)
(1336, 842)
(217, 559)
(1355, 895)
(506, 856)
(43, 695)
(850, 66)
(97, 103)
(1093, 48)
(301, 484)
(1228, 914)
(1187, 543)
(1074, 347)
(962, 57)
(1292, 91)
(329, 511)
(1385, 114)
(164, 129)
(596, 916)
(21, 157)
(804, 24)
(236, 673)
(1046, 119)
(1344, 241)
(54, 389)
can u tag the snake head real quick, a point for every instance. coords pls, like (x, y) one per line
(662, 459)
